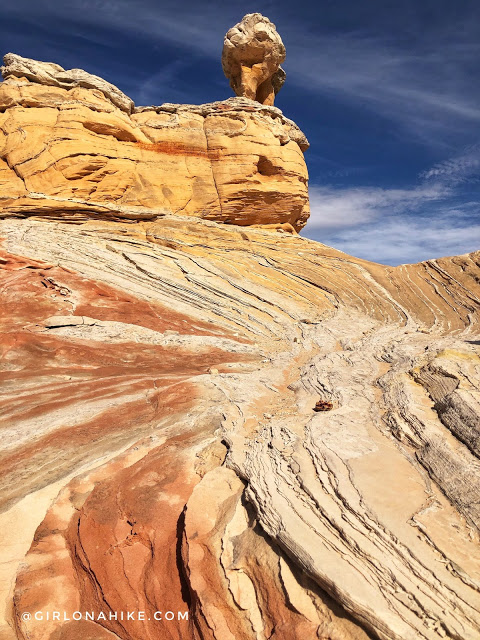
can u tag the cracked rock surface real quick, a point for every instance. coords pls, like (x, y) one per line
(161, 451)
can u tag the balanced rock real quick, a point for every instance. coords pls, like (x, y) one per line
(251, 58)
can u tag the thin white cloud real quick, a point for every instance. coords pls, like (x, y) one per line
(405, 239)
(195, 27)
(427, 89)
(396, 226)
(164, 82)
(333, 208)
(458, 170)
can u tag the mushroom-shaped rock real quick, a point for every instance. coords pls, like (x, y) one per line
(251, 58)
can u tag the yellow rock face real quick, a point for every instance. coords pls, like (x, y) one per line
(73, 153)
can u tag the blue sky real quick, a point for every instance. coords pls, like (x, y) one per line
(388, 93)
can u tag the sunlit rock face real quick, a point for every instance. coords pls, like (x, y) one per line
(86, 152)
(161, 451)
(252, 54)
(252, 431)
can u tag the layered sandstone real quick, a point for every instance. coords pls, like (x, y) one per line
(161, 452)
(160, 373)
(78, 153)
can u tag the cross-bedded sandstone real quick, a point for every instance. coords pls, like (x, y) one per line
(251, 426)
(157, 398)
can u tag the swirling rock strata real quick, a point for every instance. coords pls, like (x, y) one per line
(161, 452)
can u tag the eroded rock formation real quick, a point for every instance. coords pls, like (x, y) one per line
(53, 75)
(252, 54)
(72, 152)
(161, 451)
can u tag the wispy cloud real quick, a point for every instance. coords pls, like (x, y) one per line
(426, 89)
(333, 208)
(405, 238)
(435, 218)
(395, 226)
(190, 25)
(460, 169)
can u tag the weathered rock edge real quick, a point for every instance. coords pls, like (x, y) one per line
(73, 147)
(53, 75)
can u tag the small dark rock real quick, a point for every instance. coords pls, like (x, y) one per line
(323, 405)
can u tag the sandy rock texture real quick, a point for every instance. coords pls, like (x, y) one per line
(71, 148)
(252, 54)
(53, 75)
(166, 474)
(161, 451)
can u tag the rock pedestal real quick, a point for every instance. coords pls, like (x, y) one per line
(252, 54)
(71, 146)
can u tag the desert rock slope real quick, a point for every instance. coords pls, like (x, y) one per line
(164, 344)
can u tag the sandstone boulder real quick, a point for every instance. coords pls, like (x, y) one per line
(252, 54)
(71, 152)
